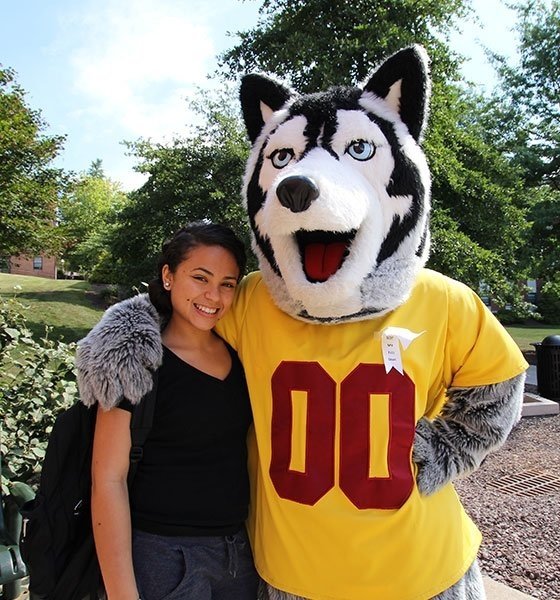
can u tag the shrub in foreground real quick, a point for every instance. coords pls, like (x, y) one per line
(37, 381)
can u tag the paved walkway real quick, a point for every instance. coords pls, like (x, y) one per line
(499, 591)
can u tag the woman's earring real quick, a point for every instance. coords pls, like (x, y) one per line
(166, 284)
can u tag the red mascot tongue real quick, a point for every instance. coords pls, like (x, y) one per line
(323, 260)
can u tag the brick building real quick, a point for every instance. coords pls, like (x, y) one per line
(37, 266)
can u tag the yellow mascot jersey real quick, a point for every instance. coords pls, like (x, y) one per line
(335, 509)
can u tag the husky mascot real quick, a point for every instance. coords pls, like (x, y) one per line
(374, 382)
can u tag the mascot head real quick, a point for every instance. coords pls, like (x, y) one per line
(338, 190)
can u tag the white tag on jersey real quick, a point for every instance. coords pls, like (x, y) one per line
(392, 339)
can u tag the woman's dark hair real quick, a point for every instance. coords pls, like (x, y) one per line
(175, 250)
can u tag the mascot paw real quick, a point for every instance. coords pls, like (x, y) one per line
(118, 356)
(474, 422)
(431, 474)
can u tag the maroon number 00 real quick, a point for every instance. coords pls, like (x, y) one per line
(318, 478)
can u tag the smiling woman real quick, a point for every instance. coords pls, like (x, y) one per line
(179, 530)
(200, 290)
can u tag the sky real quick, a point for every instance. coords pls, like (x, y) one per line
(104, 71)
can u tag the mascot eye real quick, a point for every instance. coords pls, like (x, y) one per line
(280, 158)
(360, 150)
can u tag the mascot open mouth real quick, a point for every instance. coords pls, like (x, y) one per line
(323, 252)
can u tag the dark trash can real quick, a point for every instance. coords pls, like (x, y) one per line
(548, 367)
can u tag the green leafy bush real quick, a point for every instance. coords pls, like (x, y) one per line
(37, 381)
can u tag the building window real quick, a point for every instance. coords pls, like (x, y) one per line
(532, 290)
(484, 293)
(38, 263)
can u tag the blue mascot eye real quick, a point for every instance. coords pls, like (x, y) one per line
(280, 158)
(360, 150)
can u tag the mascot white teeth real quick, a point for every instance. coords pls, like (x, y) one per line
(374, 382)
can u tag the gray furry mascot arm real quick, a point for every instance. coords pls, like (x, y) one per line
(473, 422)
(117, 358)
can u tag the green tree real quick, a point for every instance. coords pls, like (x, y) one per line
(318, 43)
(544, 217)
(478, 227)
(523, 121)
(530, 91)
(87, 216)
(195, 177)
(96, 169)
(479, 221)
(29, 184)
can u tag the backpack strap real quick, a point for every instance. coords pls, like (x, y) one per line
(140, 426)
(3, 532)
(6, 531)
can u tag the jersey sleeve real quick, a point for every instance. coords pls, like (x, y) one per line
(479, 349)
(229, 327)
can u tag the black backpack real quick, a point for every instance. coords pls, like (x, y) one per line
(57, 539)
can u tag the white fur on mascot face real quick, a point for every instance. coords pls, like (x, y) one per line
(337, 190)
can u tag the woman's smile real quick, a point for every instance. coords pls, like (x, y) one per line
(205, 309)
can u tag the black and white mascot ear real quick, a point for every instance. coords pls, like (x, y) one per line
(337, 190)
(261, 96)
(403, 82)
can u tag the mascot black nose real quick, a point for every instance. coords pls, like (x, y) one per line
(297, 193)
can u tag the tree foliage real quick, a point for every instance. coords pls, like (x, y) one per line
(544, 217)
(87, 214)
(549, 303)
(29, 184)
(195, 177)
(478, 197)
(523, 120)
(529, 96)
(318, 43)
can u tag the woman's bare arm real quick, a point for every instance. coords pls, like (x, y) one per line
(110, 503)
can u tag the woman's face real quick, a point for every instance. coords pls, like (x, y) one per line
(202, 286)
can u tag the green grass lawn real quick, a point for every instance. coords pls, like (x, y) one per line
(525, 335)
(71, 307)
